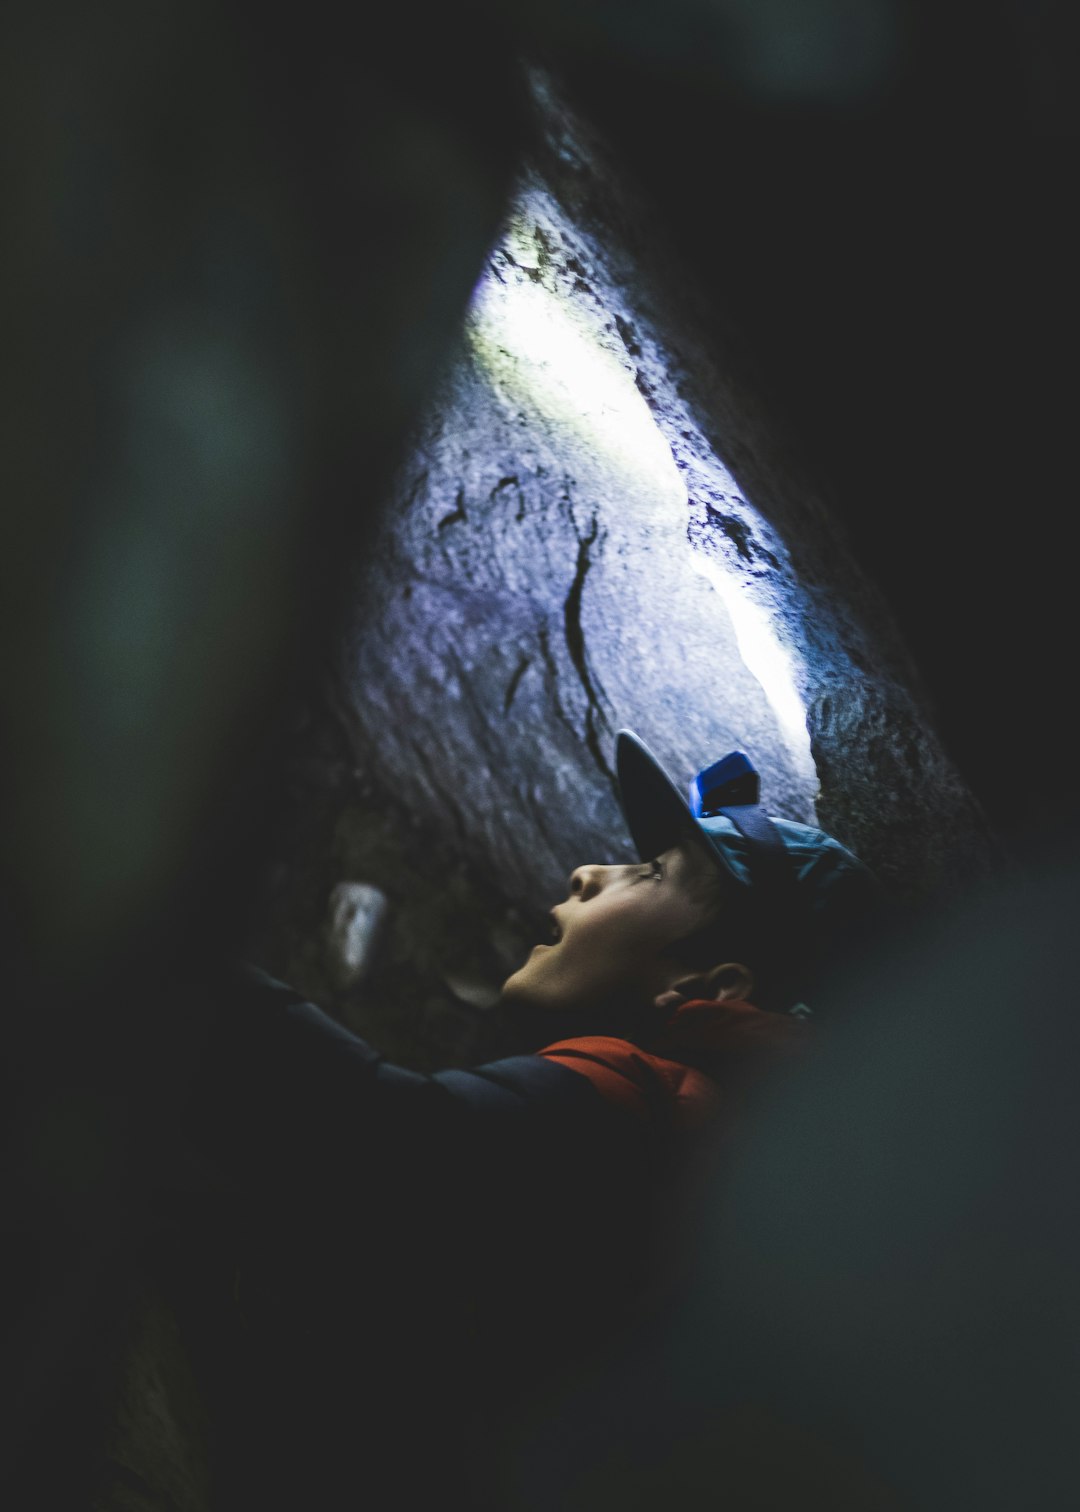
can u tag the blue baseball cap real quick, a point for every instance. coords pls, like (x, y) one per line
(800, 895)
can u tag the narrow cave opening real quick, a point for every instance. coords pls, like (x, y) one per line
(594, 528)
(731, 348)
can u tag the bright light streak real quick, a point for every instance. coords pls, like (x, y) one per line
(531, 343)
(766, 659)
(550, 356)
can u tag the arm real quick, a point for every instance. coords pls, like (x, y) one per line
(298, 1116)
(282, 1085)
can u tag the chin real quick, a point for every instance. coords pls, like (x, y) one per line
(528, 1027)
(535, 1019)
(516, 987)
(526, 984)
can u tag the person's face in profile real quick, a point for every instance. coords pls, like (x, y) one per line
(609, 936)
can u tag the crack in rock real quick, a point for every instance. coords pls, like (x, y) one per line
(629, 337)
(511, 480)
(507, 482)
(553, 673)
(575, 644)
(434, 779)
(512, 686)
(457, 513)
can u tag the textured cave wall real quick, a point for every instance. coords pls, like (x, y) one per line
(594, 529)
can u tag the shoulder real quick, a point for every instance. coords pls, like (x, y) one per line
(707, 1055)
(637, 1081)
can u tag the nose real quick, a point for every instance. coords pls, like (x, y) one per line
(586, 882)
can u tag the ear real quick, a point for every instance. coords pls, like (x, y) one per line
(728, 983)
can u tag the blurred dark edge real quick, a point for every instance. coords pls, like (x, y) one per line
(304, 198)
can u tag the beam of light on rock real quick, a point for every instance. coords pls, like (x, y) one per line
(767, 659)
(530, 342)
(552, 356)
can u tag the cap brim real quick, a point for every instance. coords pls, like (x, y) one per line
(657, 815)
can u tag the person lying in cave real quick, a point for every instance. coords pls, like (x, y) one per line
(740, 916)
(670, 987)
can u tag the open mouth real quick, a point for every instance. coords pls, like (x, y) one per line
(554, 931)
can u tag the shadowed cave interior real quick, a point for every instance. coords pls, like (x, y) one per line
(699, 378)
(593, 528)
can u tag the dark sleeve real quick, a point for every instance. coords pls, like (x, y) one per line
(376, 1199)
(294, 1112)
(281, 1085)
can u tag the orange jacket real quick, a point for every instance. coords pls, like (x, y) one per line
(694, 1069)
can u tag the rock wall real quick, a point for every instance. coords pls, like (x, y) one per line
(595, 528)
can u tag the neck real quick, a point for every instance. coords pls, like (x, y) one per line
(528, 1029)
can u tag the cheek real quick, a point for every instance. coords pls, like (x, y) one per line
(624, 934)
(573, 974)
(609, 953)
(616, 951)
